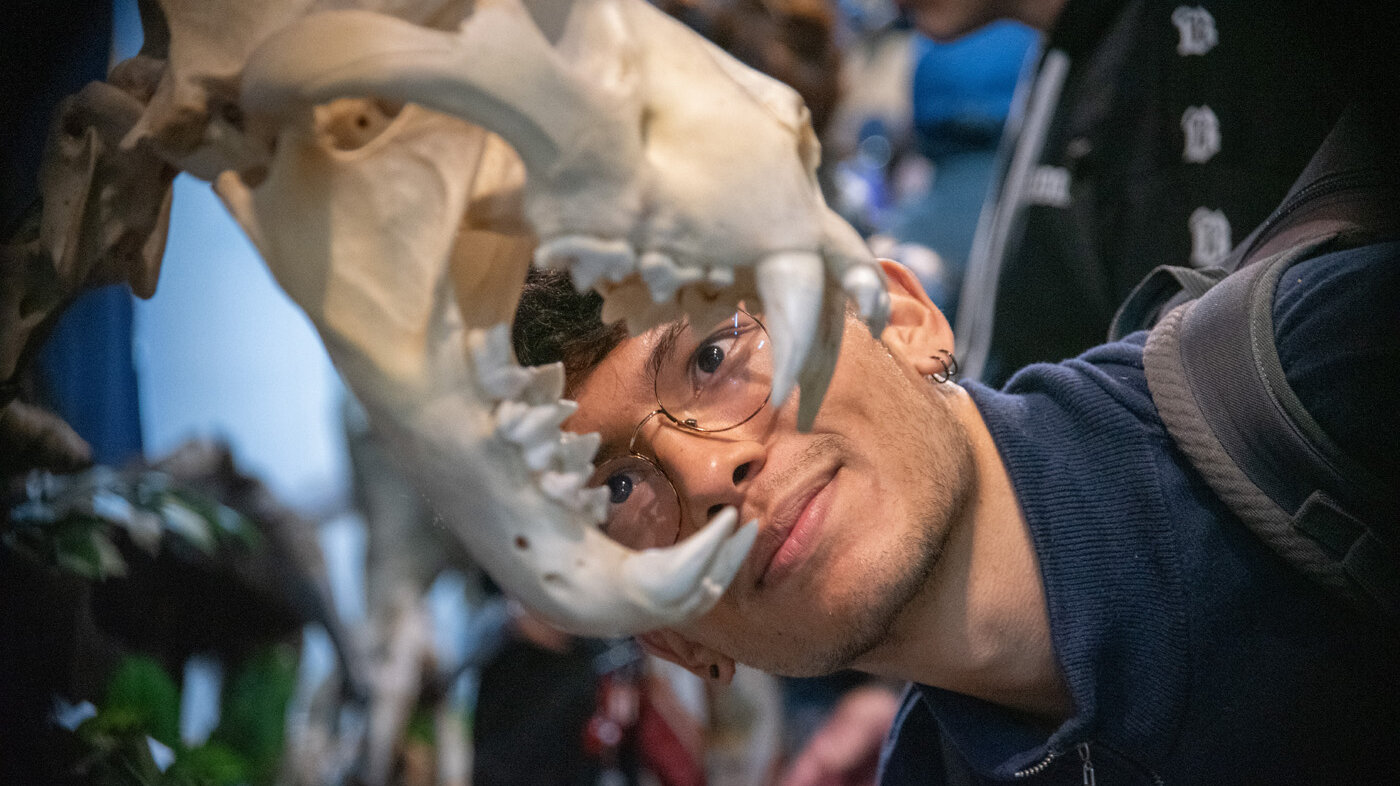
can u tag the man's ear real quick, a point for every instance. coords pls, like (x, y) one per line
(697, 659)
(917, 330)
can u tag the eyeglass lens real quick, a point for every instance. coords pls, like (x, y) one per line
(711, 380)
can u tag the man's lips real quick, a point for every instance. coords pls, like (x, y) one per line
(787, 540)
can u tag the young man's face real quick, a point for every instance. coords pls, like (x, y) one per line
(852, 515)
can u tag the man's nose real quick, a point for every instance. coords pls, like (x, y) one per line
(709, 471)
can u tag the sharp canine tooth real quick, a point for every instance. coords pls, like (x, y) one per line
(790, 285)
(731, 555)
(669, 576)
(865, 286)
(816, 373)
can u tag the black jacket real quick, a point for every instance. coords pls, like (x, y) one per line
(1176, 128)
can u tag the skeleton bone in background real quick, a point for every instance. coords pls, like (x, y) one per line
(106, 212)
(657, 169)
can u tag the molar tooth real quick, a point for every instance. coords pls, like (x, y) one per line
(562, 486)
(509, 413)
(587, 259)
(492, 359)
(505, 383)
(539, 456)
(576, 451)
(528, 426)
(790, 283)
(593, 503)
(545, 384)
(664, 277)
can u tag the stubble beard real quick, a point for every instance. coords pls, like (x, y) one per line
(903, 570)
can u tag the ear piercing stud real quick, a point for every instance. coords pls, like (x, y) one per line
(950, 367)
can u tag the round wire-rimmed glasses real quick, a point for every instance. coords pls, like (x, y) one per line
(705, 382)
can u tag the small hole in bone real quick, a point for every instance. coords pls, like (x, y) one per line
(553, 578)
(521, 542)
(351, 123)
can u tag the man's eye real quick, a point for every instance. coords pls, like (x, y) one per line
(620, 488)
(709, 358)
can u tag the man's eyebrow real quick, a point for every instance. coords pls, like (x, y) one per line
(664, 346)
(660, 352)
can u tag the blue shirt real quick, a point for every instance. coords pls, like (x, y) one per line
(1193, 654)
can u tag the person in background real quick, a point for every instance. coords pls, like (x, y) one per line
(961, 93)
(1155, 132)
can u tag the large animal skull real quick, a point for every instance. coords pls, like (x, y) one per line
(658, 168)
(353, 147)
(358, 217)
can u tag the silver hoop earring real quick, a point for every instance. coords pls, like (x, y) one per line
(949, 364)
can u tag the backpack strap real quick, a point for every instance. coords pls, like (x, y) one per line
(1214, 373)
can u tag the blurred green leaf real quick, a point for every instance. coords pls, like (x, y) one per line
(254, 711)
(74, 548)
(187, 523)
(141, 693)
(210, 764)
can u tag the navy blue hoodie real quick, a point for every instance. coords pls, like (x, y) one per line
(1193, 654)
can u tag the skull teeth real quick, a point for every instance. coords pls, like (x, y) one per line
(491, 355)
(594, 503)
(499, 376)
(545, 385)
(562, 486)
(588, 259)
(664, 277)
(866, 288)
(529, 416)
(790, 285)
(576, 451)
(529, 425)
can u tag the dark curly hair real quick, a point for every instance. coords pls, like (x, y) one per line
(555, 323)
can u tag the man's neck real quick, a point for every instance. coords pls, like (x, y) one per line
(980, 626)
